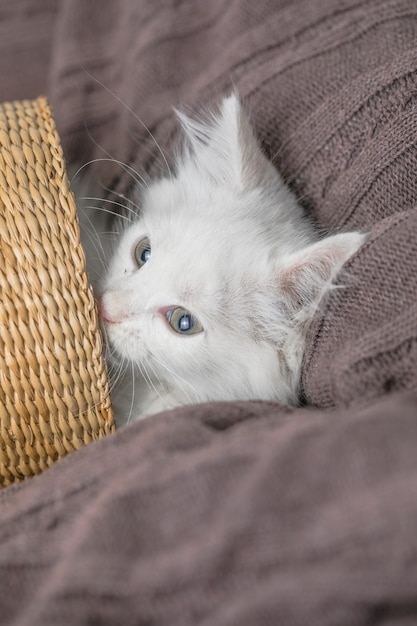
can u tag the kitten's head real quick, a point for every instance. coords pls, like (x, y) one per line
(211, 288)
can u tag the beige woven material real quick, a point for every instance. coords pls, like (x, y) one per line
(54, 394)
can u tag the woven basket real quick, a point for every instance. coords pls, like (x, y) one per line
(54, 395)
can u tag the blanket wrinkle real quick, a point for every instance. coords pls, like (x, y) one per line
(235, 524)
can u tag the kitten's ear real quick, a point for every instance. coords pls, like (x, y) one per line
(310, 272)
(226, 148)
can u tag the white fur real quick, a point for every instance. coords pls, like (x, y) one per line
(229, 243)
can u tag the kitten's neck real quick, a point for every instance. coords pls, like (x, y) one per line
(135, 400)
(152, 402)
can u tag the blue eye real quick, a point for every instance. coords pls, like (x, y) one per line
(142, 252)
(183, 322)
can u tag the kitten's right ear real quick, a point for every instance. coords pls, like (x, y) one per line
(310, 272)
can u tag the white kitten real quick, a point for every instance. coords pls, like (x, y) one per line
(211, 288)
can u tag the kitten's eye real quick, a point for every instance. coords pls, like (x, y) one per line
(142, 252)
(183, 322)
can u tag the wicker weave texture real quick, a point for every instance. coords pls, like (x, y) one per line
(54, 394)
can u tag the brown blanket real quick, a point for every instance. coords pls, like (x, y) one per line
(241, 513)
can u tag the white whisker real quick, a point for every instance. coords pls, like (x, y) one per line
(119, 204)
(132, 404)
(94, 238)
(197, 397)
(148, 379)
(138, 179)
(120, 195)
(136, 117)
(104, 210)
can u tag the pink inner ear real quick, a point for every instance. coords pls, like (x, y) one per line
(312, 270)
(299, 284)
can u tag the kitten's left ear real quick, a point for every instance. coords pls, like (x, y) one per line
(227, 149)
(310, 272)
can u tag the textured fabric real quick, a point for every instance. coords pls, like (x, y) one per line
(241, 513)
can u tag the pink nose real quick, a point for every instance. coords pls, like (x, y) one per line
(104, 313)
(100, 306)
